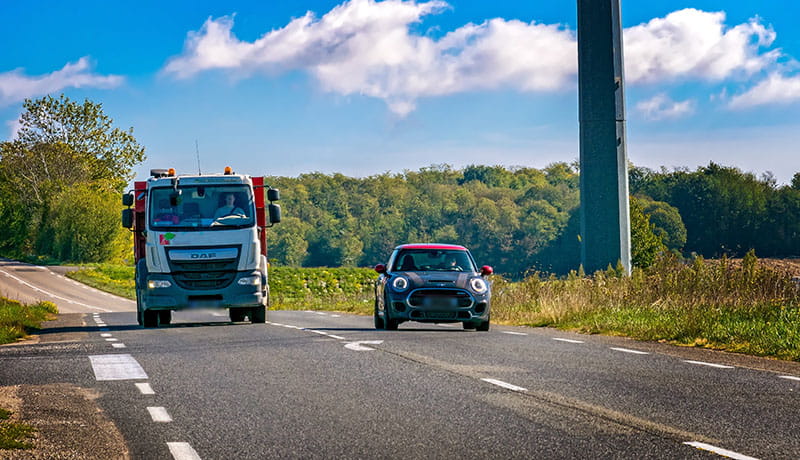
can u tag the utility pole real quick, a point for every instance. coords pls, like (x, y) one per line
(605, 215)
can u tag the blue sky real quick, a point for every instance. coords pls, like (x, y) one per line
(364, 87)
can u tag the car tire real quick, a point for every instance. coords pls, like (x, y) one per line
(469, 325)
(389, 323)
(258, 315)
(377, 320)
(484, 325)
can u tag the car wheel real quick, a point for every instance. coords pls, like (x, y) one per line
(468, 325)
(258, 315)
(377, 319)
(484, 325)
(389, 323)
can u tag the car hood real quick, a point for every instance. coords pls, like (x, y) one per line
(439, 279)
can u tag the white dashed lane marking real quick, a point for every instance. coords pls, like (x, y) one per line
(358, 346)
(719, 451)
(116, 367)
(118, 345)
(513, 333)
(145, 388)
(627, 350)
(506, 385)
(701, 363)
(567, 340)
(182, 451)
(789, 377)
(159, 414)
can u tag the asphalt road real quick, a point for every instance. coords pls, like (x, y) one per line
(322, 385)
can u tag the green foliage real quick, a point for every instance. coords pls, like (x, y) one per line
(116, 279)
(646, 245)
(667, 222)
(17, 319)
(14, 435)
(64, 151)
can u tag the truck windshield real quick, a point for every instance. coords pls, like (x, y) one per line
(206, 207)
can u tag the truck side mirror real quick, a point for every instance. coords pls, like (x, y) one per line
(127, 217)
(273, 194)
(274, 213)
(127, 199)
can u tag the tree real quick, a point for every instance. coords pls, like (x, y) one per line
(645, 243)
(61, 145)
(667, 222)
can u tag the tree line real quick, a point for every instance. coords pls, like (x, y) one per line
(62, 176)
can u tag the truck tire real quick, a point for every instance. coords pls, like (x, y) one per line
(140, 277)
(258, 315)
(164, 317)
(150, 318)
(237, 314)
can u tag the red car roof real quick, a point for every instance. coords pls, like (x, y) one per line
(431, 246)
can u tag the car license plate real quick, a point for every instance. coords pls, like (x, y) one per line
(440, 302)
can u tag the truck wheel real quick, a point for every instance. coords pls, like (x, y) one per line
(139, 316)
(164, 317)
(258, 315)
(236, 314)
(150, 318)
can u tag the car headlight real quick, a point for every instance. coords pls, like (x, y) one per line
(156, 284)
(478, 285)
(400, 283)
(254, 280)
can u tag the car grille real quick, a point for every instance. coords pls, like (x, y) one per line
(205, 274)
(440, 299)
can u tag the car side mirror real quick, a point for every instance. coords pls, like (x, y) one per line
(380, 268)
(127, 218)
(486, 270)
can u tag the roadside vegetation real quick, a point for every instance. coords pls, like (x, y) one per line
(17, 319)
(14, 435)
(745, 307)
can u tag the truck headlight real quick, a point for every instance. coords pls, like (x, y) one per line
(158, 284)
(478, 285)
(254, 280)
(400, 284)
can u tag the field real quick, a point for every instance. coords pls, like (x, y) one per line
(745, 305)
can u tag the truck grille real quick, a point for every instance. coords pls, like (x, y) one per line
(440, 298)
(204, 274)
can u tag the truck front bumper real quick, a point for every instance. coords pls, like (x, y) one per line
(158, 295)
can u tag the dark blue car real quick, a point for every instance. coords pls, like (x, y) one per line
(433, 283)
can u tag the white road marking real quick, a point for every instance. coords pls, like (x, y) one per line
(321, 313)
(719, 451)
(789, 377)
(306, 329)
(105, 335)
(335, 337)
(627, 350)
(159, 414)
(505, 385)
(116, 367)
(118, 345)
(513, 333)
(182, 451)
(701, 363)
(53, 295)
(101, 324)
(567, 340)
(336, 316)
(112, 339)
(356, 346)
(145, 388)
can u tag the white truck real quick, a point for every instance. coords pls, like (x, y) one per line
(200, 242)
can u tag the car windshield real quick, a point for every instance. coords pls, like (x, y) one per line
(202, 207)
(422, 260)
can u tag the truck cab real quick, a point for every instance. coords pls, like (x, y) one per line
(200, 242)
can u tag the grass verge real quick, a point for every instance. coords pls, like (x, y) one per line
(17, 319)
(14, 435)
(744, 307)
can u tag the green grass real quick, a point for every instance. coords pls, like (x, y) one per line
(14, 435)
(747, 308)
(17, 319)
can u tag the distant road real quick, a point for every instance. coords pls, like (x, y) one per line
(32, 283)
(324, 385)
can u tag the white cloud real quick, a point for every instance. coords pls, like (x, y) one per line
(16, 87)
(661, 107)
(694, 43)
(13, 128)
(775, 89)
(366, 47)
